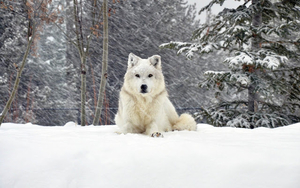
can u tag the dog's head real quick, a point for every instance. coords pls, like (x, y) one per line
(144, 76)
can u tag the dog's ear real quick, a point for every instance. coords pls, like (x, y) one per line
(132, 60)
(156, 61)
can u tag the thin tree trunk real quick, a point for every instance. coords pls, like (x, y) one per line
(82, 52)
(83, 89)
(252, 96)
(28, 100)
(104, 65)
(17, 81)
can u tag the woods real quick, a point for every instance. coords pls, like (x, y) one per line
(247, 57)
(70, 50)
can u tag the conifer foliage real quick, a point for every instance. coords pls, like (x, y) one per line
(261, 86)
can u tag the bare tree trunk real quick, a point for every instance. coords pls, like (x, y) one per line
(104, 65)
(83, 89)
(82, 52)
(18, 78)
(252, 96)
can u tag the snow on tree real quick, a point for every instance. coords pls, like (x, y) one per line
(261, 87)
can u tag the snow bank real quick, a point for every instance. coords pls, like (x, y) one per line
(33, 156)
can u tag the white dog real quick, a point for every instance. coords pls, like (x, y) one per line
(144, 106)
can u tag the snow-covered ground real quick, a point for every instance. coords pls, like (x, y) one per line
(33, 156)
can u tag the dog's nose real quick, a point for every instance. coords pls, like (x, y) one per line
(144, 88)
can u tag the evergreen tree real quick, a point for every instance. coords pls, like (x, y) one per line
(261, 87)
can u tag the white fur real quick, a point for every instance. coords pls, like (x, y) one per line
(148, 111)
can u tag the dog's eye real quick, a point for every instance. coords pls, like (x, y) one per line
(150, 75)
(137, 75)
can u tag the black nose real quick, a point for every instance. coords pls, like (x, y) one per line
(144, 88)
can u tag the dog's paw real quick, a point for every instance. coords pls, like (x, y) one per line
(157, 134)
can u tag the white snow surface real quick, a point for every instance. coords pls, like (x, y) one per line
(33, 156)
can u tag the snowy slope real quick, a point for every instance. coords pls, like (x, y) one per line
(33, 156)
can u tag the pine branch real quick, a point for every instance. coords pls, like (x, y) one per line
(208, 7)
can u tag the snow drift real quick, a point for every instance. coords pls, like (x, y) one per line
(33, 156)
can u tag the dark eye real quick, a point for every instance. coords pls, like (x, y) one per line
(137, 75)
(150, 75)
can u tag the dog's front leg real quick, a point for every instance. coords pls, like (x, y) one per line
(152, 130)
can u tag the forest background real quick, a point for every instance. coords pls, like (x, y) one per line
(49, 91)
